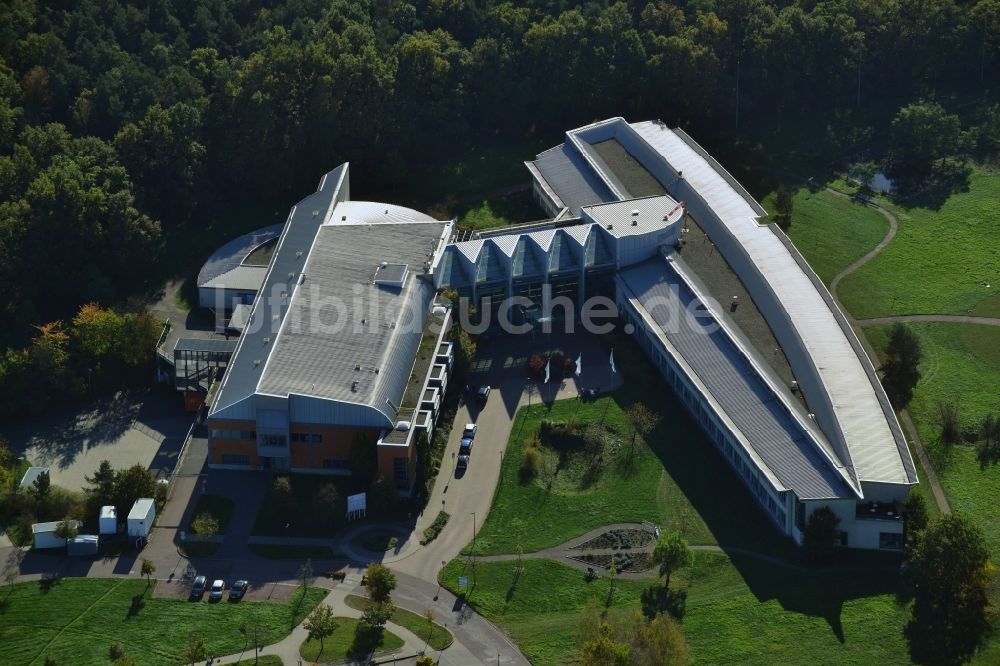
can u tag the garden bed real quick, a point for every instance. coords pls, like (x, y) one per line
(625, 562)
(618, 539)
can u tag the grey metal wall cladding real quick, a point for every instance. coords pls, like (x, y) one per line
(759, 414)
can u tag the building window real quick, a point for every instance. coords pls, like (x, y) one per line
(336, 463)
(400, 471)
(235, 459)
(307, 437)
(232, 433)
(890, 541)
(277, 441)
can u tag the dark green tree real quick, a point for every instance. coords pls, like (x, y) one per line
(900, 370)
(946, 577)
(820, 535)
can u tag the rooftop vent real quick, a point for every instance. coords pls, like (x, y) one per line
(392, 275)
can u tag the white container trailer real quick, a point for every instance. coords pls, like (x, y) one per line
(140, 518)
(44, 534)
(82, 545)
(108, 522)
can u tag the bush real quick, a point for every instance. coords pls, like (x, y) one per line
(435, 528)
(531, 461)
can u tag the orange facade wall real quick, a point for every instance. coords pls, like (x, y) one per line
(336, 444)
(220, 447)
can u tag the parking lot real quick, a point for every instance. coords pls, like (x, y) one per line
(139, 427)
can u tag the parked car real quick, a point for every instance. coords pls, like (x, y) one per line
(217, 589)
(483, 392)
(465, 448)
(470, 431)
(198, 587)
(237, 591)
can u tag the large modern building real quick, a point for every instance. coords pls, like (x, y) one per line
(344, 341)
(342, 344)
(726, 308)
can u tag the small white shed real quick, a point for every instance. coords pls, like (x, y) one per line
(141, 517)
(108, 522)
(43, 535)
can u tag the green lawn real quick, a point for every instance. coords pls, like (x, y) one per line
(266, 660)
(831, 231)
(738, 612)
(961, 362)
(221, 508)
(436, 636)
(75, 621)
(338, 645)
(678, 482)
(940, 262)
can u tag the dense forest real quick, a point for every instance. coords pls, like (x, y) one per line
(126, 127)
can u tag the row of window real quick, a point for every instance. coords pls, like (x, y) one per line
(720, 436)
(228, 433)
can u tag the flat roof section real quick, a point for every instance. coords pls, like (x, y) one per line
(635, 178)
(766, 423)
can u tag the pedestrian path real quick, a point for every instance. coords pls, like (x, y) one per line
(288, 649)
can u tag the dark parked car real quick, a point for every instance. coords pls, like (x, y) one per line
(198, 587)
(237, 591)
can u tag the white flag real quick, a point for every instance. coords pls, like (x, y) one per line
(579, 364)
(613, 371)
(547, 370)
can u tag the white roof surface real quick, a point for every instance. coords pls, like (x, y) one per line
(866, 429)
(140, 509)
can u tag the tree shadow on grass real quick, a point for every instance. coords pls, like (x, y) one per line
(138, 603)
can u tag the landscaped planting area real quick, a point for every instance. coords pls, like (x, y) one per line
(738, 611)
(75, 621)
(338, 646)
(677, 481)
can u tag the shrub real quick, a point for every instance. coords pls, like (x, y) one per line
(435, 528)
(531, 460)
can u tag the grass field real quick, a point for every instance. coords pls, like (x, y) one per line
(739, 612)
(831, 231)
(961, 362)
(221, 508)
(338, 645)
(940, 262)
(436, 636)
(678, 482)
(75, 621)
